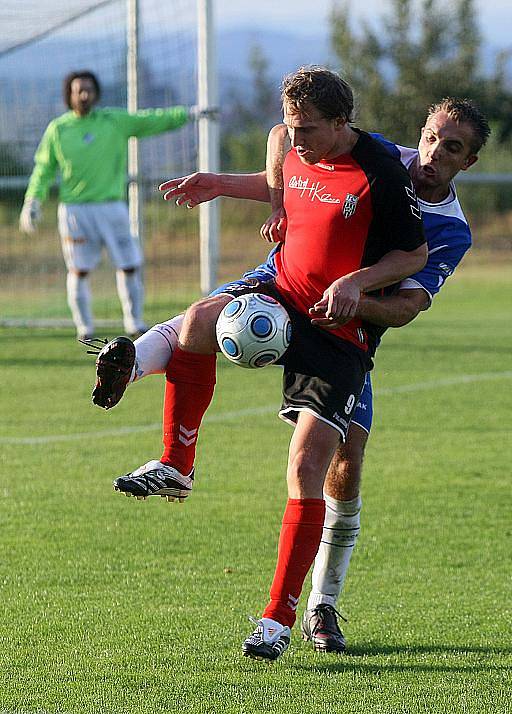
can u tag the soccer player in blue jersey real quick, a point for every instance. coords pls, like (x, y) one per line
(454, 132)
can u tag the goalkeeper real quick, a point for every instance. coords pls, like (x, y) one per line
(88, 148)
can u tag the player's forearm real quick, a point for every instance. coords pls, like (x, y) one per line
(391, 268)
(278, 145)
(41, 181)
(149, 122)
(250, 186)
(393, 310)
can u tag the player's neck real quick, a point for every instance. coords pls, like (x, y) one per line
(346, 142)
(432, 194)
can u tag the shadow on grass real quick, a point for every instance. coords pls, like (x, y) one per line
(351, 661)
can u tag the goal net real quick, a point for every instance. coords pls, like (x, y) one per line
(42, 42)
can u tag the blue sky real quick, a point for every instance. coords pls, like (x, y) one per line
(495, 16)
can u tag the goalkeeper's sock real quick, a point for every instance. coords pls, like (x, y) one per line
(341, 529)
(79, 301)
(301, 531)
(154, 349)
(131, 294)
(189, 386)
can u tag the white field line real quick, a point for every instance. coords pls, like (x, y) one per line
(253, 411)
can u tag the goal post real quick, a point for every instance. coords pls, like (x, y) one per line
(156, 45)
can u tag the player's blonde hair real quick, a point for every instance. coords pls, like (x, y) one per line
(320, 87)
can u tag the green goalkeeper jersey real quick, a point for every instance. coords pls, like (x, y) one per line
(90, 152)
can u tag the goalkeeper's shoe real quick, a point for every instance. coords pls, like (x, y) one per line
(268, 641)
(320, 626)
(114, 366)
(155, 479)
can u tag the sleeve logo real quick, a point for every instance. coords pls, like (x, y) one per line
(413, 202)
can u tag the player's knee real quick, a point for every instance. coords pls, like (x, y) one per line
(129, 271)
(80, 273)
(198, 330)
(304, 478)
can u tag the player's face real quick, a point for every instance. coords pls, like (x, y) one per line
(313, 136)
(83, 96)
(445, 148)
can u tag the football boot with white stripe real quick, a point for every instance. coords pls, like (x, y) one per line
(268, 641)
(320, 626)
(114, 366)
(155, 479)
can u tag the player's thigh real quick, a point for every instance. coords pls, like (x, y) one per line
(322, 374)
(312, 446)
(343, 480)
(80, 241)
(113, 223)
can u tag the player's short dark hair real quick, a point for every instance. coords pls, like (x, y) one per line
(465, 111)
(325, 90)
(82, 74)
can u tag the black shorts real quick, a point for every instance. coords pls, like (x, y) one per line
(323, 374)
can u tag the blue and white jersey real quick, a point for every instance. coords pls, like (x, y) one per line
(446, 231)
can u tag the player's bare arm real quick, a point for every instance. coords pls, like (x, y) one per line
(278, 145)
(341, 299)
(393, 310)
(201, 187)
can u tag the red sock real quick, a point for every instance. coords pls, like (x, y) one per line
(300, 537)
(190, 381)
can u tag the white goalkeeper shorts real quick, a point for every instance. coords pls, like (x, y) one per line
(86, 227)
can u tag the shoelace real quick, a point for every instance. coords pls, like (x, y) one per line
(324, 614)
(96, 344)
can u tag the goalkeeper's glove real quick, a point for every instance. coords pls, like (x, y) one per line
(196, 112)
(30, 215)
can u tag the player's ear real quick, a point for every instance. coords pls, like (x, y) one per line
(469, 161)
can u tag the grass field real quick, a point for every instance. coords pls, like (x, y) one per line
(112, 605)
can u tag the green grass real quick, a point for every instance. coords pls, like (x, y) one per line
(111, 605)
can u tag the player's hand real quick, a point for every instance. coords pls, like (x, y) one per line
(30, 215)
(338, 303)
(191, 190)
(196, 112)
(274, 228)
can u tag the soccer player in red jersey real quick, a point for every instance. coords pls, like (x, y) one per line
(353, 226)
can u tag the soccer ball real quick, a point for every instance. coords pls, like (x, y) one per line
(253, 330)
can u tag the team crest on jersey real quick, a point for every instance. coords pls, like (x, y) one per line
(350, 205)
(88, 138)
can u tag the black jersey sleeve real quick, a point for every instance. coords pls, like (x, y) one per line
(397, 211)
(396, 223)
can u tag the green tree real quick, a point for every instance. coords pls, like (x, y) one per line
(423, 51)
(243, 141)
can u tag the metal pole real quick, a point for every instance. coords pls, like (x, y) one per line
(132, 82)
(209, 213)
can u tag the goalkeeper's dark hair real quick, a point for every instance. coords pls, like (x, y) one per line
(320, 87)
(82, 74)
(465, 111)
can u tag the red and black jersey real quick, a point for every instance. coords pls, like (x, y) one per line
(344, 214)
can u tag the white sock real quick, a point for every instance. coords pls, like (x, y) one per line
(131, 295)
(79, 301)
(341, 528)
(154, 348)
